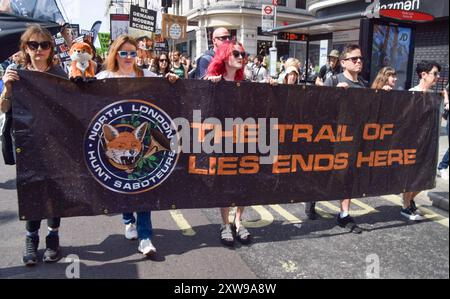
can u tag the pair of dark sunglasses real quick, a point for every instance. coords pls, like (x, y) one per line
(236, 54)
(223, 38)
(163, 60)
(35, 45)
(355, 59)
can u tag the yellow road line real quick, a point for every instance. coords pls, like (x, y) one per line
(428, 214)
(330, 206)
(366, 209)
(266, 218)
(288, 216)
(182, 223)
(323, 213)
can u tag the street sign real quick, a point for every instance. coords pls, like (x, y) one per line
(268, 17)
(268, 10)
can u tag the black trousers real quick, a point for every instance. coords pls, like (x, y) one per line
(34, 225)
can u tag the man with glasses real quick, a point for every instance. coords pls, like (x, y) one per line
(219, 36)
(352, 63)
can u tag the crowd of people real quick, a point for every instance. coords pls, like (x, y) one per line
(227, 61)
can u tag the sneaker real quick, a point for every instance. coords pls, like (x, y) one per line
(349, 223)
(131, 232)
(415, 209)
(146, 247)
(52, 251)
(310, 210)
(443, 173)
(31, 247)
(411, 215)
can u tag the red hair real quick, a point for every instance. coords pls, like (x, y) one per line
(217, 65)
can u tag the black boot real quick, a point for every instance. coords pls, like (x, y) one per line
(31, 247)
(310, 210)
(52, 251)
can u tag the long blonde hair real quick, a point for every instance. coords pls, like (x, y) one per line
(111, 61)
(383, 76)
(25, 38)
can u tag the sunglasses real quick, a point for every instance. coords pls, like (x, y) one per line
(236, 54)
(125, 54)
(163, 60)
(35, 45)
(222, 38)
(355, 59)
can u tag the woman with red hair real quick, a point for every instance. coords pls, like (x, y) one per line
(228, 64)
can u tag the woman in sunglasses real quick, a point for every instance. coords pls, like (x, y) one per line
(228, 64)
(37, 48)
(121, 63)
(162, 66)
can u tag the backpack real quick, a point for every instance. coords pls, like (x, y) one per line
(335, 81)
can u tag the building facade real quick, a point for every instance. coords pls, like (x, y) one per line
(243, 19)
(394, 42)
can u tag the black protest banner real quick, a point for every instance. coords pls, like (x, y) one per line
(106, 147)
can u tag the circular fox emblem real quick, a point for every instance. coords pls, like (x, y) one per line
(127, 147)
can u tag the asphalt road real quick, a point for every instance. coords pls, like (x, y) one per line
(286, 244)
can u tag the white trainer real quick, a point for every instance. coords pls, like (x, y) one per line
(146, 247)
(131, 232)
(443, 173)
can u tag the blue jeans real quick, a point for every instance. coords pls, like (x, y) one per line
(143, 224)
(444, 162)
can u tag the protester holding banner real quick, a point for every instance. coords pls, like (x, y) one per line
(228, 64)
(220, 35)
(385, 79)
(162, 66)
(352, 63)
(428, 72)
(37, 49)
(120, 63)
